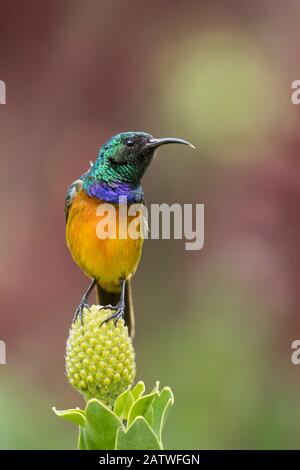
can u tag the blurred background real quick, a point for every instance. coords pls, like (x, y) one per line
(217, 324)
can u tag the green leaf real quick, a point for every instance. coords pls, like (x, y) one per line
(156, 388)
(81, 439)
(141, 407)
(139, 436)
(75, 416)
(161, 407)
(138, 390)
(149, 415)
(101, 426)
(123, 404)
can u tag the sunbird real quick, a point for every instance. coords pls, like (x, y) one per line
(111, 262)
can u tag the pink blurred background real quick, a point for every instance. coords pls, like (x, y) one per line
(217, 325)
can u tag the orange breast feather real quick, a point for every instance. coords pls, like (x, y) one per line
(108, 260)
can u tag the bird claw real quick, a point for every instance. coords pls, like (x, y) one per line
(120, 310)
(79, 312)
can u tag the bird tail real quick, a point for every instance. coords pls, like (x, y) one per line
(105, 298)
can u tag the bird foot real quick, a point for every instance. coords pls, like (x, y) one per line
(119, 312)
(79, 311)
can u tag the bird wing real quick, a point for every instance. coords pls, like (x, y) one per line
(75, 187)
(71, 193)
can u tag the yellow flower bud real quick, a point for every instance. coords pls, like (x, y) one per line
(100, 360)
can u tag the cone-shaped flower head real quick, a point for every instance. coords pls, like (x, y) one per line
(100, 359)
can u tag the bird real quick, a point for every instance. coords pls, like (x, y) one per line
(111, 262)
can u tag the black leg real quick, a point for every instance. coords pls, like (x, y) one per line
(120, 307)
(83, 302)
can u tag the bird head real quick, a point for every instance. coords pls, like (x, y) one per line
(125, 157)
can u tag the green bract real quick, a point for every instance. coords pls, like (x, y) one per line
(136, 422)
(100, 360)
(100, 365)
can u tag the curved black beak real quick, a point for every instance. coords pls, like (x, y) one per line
(154, 143)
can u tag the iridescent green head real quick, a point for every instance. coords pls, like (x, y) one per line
(122, 161)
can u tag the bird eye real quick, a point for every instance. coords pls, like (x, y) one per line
(129, 143)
